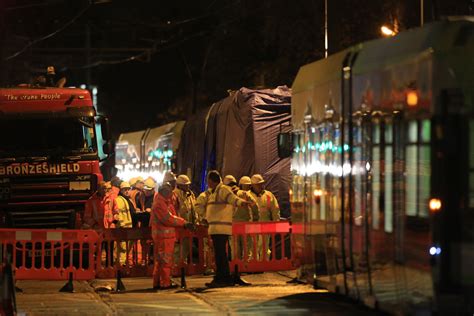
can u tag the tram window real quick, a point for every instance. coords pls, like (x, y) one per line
(471, 163)
(418, 171)
(388, 179)
(359, 170)
(376, 184)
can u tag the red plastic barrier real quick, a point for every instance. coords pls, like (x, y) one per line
(261, 246)
(131, 250)
(41, 254)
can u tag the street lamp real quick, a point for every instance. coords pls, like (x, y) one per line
(386, 31)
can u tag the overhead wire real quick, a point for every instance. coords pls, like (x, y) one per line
(67, 24)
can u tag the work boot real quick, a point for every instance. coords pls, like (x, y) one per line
(220, 283)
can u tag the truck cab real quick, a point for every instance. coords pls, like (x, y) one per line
(49, 155)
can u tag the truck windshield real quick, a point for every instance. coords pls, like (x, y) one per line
(47, 136)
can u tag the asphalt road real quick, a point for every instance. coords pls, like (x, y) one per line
(269, 294)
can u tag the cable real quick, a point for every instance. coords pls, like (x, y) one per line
(21, 51)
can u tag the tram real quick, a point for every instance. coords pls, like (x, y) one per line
(383, 170)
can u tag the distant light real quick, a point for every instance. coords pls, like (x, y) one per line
(168, 22)
(367, 166)
(435, 205)
(438, 250)
(94, 91)
(412, 98)
(82, 86)
(386, 31)
(432, 251)
(317, 193)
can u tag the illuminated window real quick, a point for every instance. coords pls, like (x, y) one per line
(388, 179)
(418, 168)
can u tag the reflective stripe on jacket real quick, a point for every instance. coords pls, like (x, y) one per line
(268, 206)
(186, 201)
(123, 209)
(244, 213)
(110, 208)
(220, 208)
(94, 212)
(163, 218)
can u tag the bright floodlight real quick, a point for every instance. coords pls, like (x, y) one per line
(387, 31)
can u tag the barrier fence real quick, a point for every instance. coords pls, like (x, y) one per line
(55, 254)
(42, 254)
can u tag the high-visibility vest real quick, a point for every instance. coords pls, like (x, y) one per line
(268, 206)
(124, 217)
(219, 211)
(133, 198)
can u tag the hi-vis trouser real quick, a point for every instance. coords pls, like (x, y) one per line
(163, 264)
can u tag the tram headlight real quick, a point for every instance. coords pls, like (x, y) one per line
(435, 205)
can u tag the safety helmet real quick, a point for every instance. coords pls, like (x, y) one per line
(183, 179)
(149, 184)
(169, 177)
(132, 181)
(140, 179)
(229, 179)
(257, 179)
(124, 185)
(245, 180)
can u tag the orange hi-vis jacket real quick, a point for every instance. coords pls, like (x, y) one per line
(94, 212)
(133, 198)
(110, 208)
(163, 218)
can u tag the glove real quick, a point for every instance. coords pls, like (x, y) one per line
(190, 226)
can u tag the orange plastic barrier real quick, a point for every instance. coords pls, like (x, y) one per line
(41, 254)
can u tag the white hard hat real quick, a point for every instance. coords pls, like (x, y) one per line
(245, 180)
(257, 178)
(228, 179)
(183, 179)
(169, 177)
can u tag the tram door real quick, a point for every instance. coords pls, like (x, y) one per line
(453, 185)
(361, 167)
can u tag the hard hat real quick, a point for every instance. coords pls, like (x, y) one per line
(140, 179)
(133, 181)
(183, 179)
(245, 180)
(257, 178)
(124, 185)
(169, 177)
(149, 184)
(228, 179)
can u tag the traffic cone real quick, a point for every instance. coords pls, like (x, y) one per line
(183, 278)
(69, 286)
(120, 287)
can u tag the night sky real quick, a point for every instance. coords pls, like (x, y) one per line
(147, 57)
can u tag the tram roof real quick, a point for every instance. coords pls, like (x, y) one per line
(381, 53)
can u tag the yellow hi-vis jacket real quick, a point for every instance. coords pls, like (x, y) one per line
(186, 201)
(267, 205)
(220, 208)
(123, 209)
(201, 204)
(245, 213)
